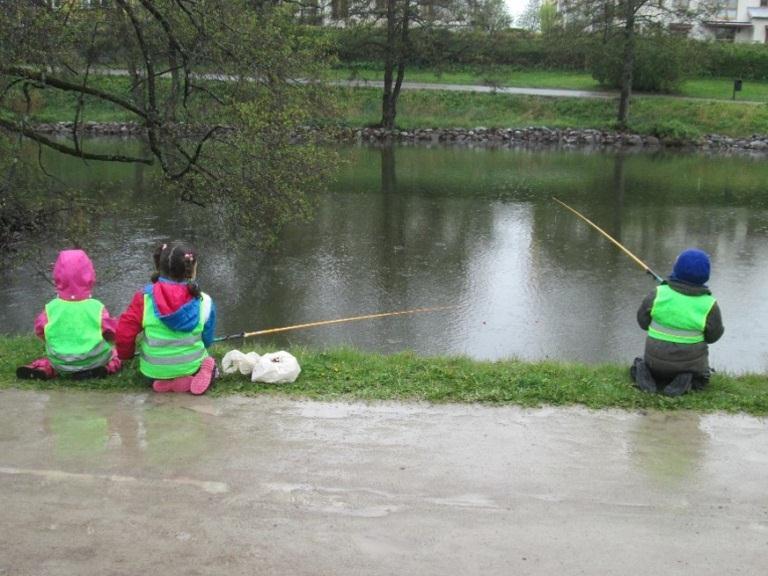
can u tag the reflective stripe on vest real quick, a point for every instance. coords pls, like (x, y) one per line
(679, 318)
(167, 353)
(73, 337)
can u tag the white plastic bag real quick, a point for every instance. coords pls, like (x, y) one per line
(236, 361)
(276, 368)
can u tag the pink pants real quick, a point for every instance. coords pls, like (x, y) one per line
(113, 366)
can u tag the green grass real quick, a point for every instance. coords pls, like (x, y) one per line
(345, 374)
(423, 109)
(710, 88)
(435, 109)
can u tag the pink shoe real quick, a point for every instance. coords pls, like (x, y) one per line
(180, 384)
(204, 377)
(162, 386)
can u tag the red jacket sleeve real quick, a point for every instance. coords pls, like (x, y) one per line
(40, 323)
(129, 327)
(108, 325)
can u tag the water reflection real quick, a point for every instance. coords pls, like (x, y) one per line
(410, 227)
(94, 429)
(668, 448)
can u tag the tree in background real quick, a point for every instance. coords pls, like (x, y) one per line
(622, 19)
(489, 16)
(225, 139)
(391, 26)
(550, 19)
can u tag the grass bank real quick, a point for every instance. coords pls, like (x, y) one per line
(655, 115)
(345, 374)
(660, 116)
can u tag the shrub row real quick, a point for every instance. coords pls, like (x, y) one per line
(661, 57)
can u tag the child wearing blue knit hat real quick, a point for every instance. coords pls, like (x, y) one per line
(682, 318)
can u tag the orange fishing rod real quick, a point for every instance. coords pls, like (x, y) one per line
(642, 264)
(328, 322)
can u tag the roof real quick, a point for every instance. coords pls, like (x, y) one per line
(727, 24)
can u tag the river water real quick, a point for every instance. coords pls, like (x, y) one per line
(473, 228)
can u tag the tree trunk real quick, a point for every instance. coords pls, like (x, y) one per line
(389, 101)
(629, 62)
(395, 57)
(402, 51)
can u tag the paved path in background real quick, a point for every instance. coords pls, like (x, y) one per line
(551, 92)
(546, 92)
(94, 484)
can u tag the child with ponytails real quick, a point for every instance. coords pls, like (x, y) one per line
(176, 321)
(76, 328)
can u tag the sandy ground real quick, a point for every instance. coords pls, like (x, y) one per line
(107, 484)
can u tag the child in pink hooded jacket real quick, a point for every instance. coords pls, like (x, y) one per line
(77, 329)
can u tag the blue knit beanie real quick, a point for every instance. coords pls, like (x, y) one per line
(691, 266)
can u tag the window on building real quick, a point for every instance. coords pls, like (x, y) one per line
(727, 9)
(725, 34)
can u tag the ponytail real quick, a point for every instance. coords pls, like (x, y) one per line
(156, 258)
(177, 262)
(189, 270)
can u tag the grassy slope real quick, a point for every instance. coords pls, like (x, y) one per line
(359, 107)
(450, 109)
(345, 374)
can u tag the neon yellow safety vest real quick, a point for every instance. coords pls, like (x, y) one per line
(677, 317)
(73, 338)
(167, 353)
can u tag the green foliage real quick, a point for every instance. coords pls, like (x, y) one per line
(225, 145)
(549, 17)
(748, 61)
(571, 49)
(662, 62)
(347, 374)
(440, 47)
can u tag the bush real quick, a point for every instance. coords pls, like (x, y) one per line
(748, 61)
(440, 47)
(662, 62)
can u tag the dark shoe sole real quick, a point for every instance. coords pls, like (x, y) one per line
(27, 373)
(99, 372)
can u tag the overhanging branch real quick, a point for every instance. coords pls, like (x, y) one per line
(45, 79)
(32, 135)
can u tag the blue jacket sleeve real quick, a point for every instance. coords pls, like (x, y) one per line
(209, 329)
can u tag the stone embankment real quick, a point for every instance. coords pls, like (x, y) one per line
(490, 137)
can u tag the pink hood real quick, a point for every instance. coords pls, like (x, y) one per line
(73, 275)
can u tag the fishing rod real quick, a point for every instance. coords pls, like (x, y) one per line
(644, 266)
(327, 322)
